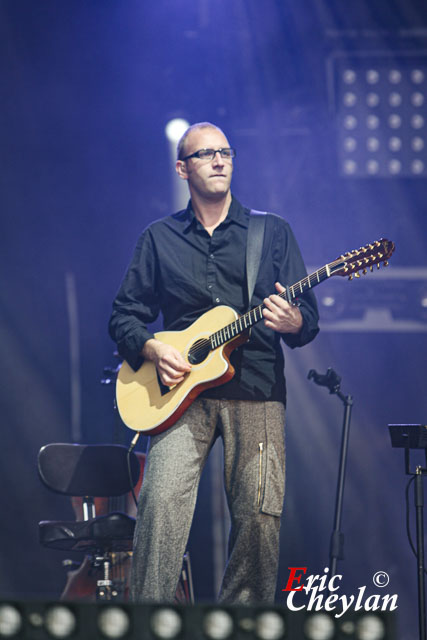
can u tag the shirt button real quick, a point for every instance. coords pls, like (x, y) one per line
(209, 286)
(216, 299)
(211, 256)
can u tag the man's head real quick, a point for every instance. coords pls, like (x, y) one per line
(208, 174)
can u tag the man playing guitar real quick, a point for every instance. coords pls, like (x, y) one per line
(184, 266)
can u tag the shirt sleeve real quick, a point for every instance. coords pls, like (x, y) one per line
(292, 270)
(136, 303)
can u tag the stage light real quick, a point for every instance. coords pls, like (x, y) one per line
(131, 621)
(395, 99)
(395, 121)
(370, 627)
(395, 166)
(372, 122)
(395, 76)
(350, 144)
(347, 627)
(175, 129)
(218, 625)
(349, 76)
(319, 626)
(350, 167)
(372, 76)
(417, 121)
(417, 76)
(10, 621)
(417, 99)
(166, 623)
(113, 622)
(395, 144)
(372, 144)
(417, 166)
(349, 99)
(270, 626)
(417, 143)
(385, 94)
(372, 99)
(350, 122)
(60, 621)
(328, 301)
(372, 167)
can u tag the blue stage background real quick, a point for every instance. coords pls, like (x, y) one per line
(87, 89)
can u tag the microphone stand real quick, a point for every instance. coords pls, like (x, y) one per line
(332, 381)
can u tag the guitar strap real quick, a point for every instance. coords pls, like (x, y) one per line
(254, 248)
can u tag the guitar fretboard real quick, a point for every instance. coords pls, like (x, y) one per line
(247, 320)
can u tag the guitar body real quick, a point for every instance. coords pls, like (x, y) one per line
(144, 405)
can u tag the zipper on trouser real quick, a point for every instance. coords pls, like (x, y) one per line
(261, 447)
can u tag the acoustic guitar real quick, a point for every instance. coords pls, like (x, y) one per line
(148, 406)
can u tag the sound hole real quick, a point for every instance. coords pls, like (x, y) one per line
(199, 351)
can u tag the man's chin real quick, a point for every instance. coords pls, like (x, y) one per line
(220, 186)
(218, 194)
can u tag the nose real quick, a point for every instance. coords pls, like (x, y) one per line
(218, 159)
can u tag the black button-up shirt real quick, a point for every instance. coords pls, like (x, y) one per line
(182, 271)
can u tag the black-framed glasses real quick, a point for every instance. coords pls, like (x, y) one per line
(209, 154)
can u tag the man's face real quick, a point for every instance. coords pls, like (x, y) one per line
(209, 179)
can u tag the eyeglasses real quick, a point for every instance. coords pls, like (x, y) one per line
(209, 154)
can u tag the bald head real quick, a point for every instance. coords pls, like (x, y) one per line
(180, 149)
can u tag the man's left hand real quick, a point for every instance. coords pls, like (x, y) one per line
(280, 315)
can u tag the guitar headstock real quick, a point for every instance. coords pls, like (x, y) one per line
(363, 259)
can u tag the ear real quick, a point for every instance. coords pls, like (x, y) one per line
(181, 169)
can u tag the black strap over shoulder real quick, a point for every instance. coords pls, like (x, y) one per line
(254, 248)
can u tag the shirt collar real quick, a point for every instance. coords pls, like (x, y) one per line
(237, 213)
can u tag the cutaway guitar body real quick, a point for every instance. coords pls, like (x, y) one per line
(146, 405)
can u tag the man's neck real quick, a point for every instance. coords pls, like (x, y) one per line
(210, 213)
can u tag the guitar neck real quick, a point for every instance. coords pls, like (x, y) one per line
(247, 320)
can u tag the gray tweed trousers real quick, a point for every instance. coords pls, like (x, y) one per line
(254, 477)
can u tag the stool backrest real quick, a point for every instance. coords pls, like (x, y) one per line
(97, 470)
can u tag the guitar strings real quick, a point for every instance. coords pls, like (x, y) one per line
(251, 316)
(309, 280)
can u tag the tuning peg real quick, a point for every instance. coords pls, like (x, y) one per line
(371, 268)
(350, 277)
(385, 263)
(378, 265)
(364, 272)
(357, 274)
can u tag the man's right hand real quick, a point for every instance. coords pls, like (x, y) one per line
(170, 364)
